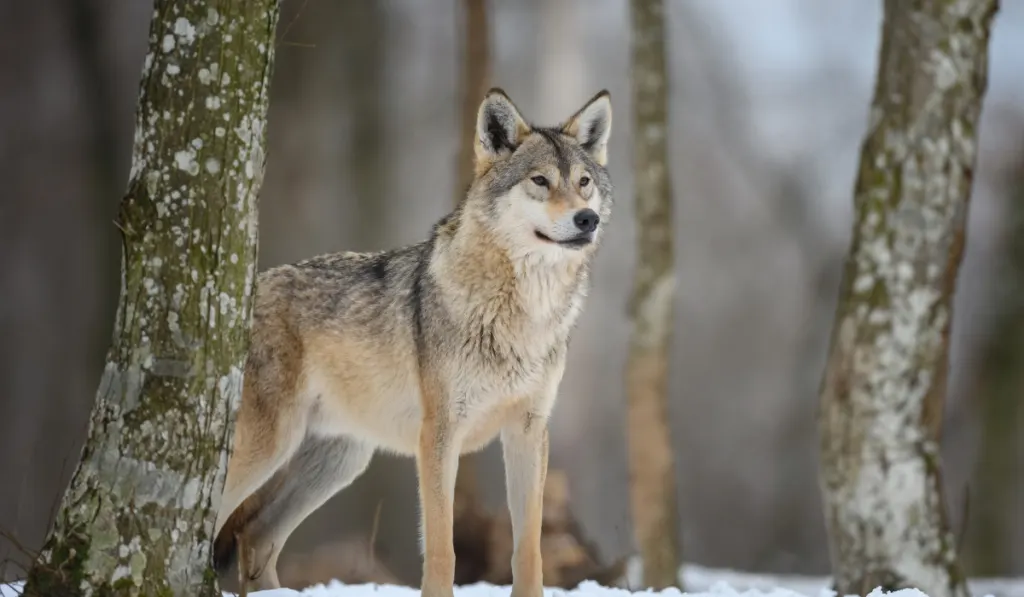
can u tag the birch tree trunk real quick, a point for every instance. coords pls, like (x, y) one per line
(652, 473)
(884, 384)
(138, 515)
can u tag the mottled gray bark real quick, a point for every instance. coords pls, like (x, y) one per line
(139, 511)
(885, 380)
(652, 472)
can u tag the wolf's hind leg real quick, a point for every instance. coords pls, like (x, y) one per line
(268, 432)
(322, 467)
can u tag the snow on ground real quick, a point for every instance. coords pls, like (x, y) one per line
(586, 589)
(699, 579)
(700, 582)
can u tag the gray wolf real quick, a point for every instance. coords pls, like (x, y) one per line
(431, 350)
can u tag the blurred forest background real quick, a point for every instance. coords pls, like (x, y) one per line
(768, 108)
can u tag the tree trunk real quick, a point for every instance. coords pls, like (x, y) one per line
(885, 379)
(652, 474)
(476, 76)
(138, 515)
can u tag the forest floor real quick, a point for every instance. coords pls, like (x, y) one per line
(700, 582)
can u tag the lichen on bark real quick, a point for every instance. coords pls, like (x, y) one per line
(884, 383)
(137, 516)
(652, 472)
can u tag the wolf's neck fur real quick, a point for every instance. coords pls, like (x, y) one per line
(477, 267)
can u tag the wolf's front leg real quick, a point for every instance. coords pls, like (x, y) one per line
(437, 463)
(525, 448)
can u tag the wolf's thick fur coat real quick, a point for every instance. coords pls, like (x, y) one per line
(431, 350)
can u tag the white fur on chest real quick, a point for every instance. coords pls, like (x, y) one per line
(529, 344)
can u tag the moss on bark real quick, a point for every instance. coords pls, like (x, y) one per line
(885, 379)
(138, 514)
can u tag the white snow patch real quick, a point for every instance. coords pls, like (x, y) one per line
(168, 43)
(700, 582)
(585, 589)
(700, 579)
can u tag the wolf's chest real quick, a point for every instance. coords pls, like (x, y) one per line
(510, 340)
(506, 360)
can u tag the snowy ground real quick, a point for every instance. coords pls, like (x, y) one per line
(700, 582)
(586, 589)
(703, 580)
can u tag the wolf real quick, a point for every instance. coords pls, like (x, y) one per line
(430, 350)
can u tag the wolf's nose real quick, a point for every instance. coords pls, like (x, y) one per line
(586, 220)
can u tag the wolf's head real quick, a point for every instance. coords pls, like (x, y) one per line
(543, 191)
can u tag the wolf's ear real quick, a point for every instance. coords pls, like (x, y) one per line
(592, 126)
(499, 127)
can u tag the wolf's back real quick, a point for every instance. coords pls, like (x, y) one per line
(361, 292)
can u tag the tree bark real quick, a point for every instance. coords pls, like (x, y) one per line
(476, 76)
(885, 379)
(138, 515)
(652, 472)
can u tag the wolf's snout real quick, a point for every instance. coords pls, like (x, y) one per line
(586, 220)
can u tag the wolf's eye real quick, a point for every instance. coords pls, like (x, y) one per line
(540, 181)
(584, 182)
